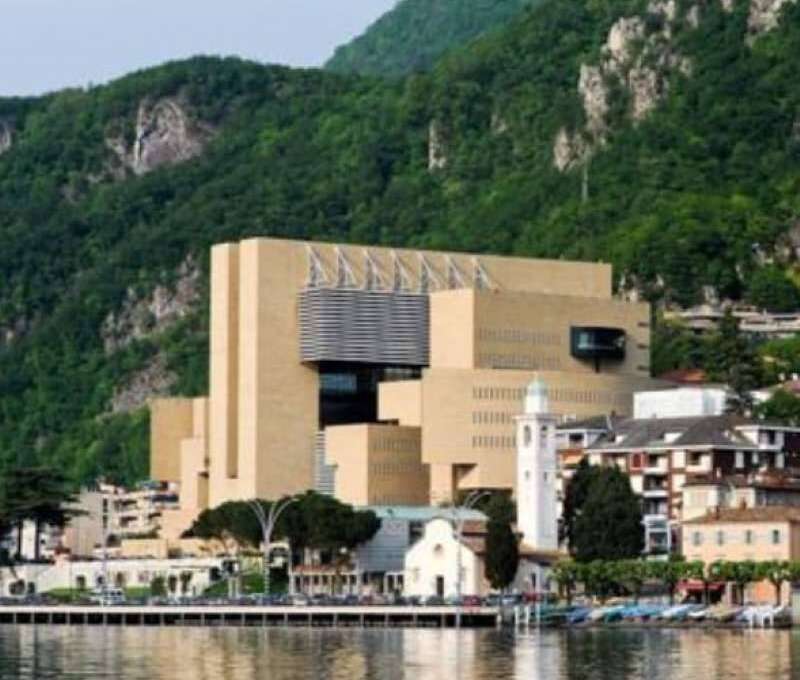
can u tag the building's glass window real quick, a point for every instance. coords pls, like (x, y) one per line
(720, 538)
(697, 538)
(776, 536)
(739, 460)
(748, 537)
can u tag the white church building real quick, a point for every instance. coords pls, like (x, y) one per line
(431, 564)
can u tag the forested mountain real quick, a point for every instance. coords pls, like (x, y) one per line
(413, 35)
(663, 137)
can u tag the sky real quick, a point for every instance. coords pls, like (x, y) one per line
(50, 44)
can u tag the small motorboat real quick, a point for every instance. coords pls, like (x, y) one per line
(699, 614)
(725, 614)
(578, 615)
(681, 612)
(612, 614)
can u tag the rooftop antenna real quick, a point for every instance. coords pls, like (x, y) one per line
(400, 278)
(428, 280)
(344, 272)
(316, 270)
(373, 279)
(454, 277)
(480, 278)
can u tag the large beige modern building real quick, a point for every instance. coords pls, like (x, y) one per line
(429, 351)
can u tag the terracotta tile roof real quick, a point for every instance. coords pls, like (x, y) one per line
(766, 513)
(538, 555)
(685, 376)
(571, 456)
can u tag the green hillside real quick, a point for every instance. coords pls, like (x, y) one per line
(688, 179)
(413, 35)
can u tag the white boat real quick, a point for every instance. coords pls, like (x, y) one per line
(700, 614)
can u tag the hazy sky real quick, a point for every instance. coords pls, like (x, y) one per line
(50, 44)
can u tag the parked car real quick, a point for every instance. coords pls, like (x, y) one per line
(300, 600)
(107, 597)
(434, 601)
(471, 601)
(321, 600)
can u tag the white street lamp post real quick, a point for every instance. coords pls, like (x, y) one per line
(267, 522)
(469, 502)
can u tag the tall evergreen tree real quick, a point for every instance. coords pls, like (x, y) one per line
(732, 359)
(502, 549)
(42, 495)
(609, 523)
(574, 499)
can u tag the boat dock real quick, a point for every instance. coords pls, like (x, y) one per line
(179, 615)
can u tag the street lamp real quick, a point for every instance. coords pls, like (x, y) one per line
(458, 520)
(267, 522)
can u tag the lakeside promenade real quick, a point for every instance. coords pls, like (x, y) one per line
(251, 615)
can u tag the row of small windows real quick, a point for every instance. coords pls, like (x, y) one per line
(396, 445)
(555, 394)
(498, 393)
(494, 442)
(386, 469)
(521, 361)
(492, 418)
(518, 335)
(748, 536)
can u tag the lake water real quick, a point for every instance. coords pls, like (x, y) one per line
(41, 652)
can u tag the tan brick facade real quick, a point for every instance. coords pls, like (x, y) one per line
(494, 324)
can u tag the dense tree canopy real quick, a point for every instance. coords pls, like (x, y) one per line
(676, 201)
(608, 521)
(313, 521)
(772, 290)
(415, 33)
(40, 495)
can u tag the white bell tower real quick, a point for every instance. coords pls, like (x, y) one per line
(537, 510)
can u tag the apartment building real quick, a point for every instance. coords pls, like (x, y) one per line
(660, 455)
(755, 534)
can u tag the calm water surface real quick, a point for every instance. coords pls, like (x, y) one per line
(42, 653)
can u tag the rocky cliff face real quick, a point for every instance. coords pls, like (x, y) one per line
(154, 380)
(140, 318)
(764, 16)
(6, 139)
(640, 55)
(165, 134)
(437, 151)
